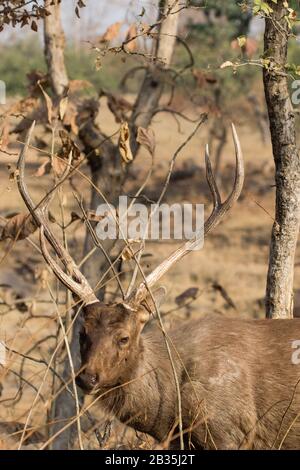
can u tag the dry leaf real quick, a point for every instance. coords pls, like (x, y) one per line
(70, 118)
(12, 173)
(131, 42)
(124, 143)
(34, 26)
(111, 32)
(19, 227)
(78, 85)
(63, 107)
(146, 137)
(43, 169)
(49, 104)
(59, 165)
(4, 134)
(68, 145)
(128, 251)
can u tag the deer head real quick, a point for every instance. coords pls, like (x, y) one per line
(110, 340)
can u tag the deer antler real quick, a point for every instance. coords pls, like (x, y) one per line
(219, 210)
(75, 281)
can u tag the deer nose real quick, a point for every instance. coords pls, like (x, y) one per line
(87, 380)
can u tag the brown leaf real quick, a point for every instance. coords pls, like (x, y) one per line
(77, 85)
(4, 135)
(49, 104)
(111, 32)
(131, 42)
(43, 169)
(68, 145)
(129, 251)
(124, 143)
(59, 165)
(146, 137)
(72, 119)
(34, 26)
(19, 227)
(63, 104)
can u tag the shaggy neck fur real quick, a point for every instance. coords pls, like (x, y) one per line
(148, 389)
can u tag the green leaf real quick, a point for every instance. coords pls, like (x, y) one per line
(261, 6)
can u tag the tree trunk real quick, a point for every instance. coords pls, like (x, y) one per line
(279, 293)
(54, 48)
(64, 405)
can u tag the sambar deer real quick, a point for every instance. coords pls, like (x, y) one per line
(238, 379)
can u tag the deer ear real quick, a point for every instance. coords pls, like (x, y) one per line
(159, 295)
(150, 306)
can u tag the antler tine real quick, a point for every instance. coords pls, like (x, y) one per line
(240, 171)
(219, 207)
(38, 212)
(211, 180)
(81, 288)
(219, 210)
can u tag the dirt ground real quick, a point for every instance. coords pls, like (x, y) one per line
(233, 262)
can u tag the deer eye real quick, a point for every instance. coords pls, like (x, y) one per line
(123, 341)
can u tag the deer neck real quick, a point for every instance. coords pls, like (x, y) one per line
(143, 399)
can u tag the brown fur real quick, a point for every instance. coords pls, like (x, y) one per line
(239, 387)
